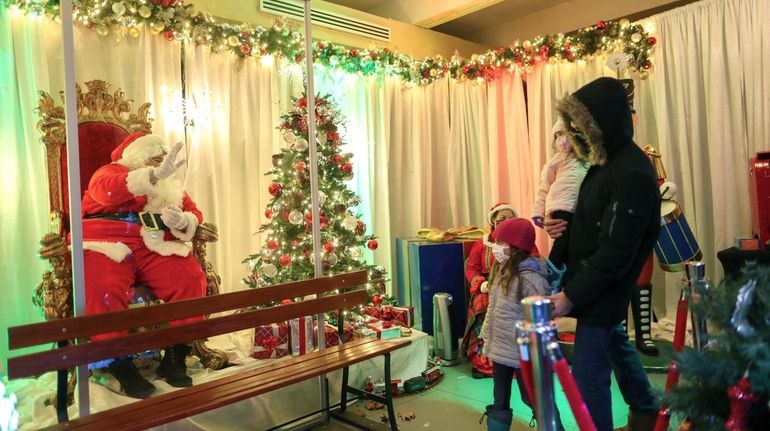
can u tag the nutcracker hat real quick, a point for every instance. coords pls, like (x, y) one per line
(516, 232)
(134, 151)
(499, 207)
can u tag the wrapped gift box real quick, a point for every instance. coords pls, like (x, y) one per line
(382, 329)
(331, 335)
(404, 316)
(426, 268)
(271, 341)
(301, 337)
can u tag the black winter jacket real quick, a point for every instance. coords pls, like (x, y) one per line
(617, 218)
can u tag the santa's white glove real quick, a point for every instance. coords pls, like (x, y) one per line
(484, 288)
(169, 165)
(174, 218)
(667, 190)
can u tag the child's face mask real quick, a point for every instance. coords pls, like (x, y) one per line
(501, 253)
(562, 144)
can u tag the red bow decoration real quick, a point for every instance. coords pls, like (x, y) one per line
(270, 343)
(386, 313)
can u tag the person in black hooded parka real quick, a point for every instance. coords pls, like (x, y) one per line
(615, 225)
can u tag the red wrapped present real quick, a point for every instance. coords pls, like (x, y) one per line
(403, 315)
(332, 336)
(371, 310)
(383, 329)
(271, 341)
(394, 386)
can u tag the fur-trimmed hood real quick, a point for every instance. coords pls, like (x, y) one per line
(598, 120)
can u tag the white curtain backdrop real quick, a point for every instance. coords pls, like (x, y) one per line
(31, 59)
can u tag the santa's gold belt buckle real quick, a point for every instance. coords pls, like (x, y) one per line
(150, 220)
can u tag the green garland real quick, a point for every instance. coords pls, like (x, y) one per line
(177, 21)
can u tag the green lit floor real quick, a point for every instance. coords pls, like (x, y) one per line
(457, 402)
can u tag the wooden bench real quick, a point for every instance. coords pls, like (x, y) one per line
(338, 292)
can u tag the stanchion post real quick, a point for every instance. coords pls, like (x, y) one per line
(537, 311)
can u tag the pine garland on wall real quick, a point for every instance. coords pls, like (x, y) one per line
(178, 21)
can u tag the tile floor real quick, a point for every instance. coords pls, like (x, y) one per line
(457, 402)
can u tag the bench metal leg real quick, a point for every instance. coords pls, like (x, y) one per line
(344, 394)
(389, 395)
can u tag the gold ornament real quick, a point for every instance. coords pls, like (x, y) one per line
(624, 22)
(636, 37)
(102, 30)
(145, 12)
(133, 32)
(157, 26)
(233, 40)
(118, 8)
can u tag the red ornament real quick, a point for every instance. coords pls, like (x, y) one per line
(268, 213)
(544, 50)
(353, 52)
(300, 166)
(337, 159)
(302, 103)
(347, 167)
(309, 216)
(166, 3)
(376, 300)
(329, 247)
(741, 399)
(651, 41)
(275, 189)
(285, 215)
(284, 260)
(321, 45)
(500, 52)
(286, 301)
(298, 58)
(360, 225)
(332, 136)
(647, 65)
(272, 244)
(245, 49)
(601, 25)
(372, 244)
(169, 35)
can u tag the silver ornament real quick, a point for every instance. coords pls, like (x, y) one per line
(295, 217)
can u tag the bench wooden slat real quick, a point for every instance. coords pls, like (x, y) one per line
(71, 328)
(210, 395)
(67, 357)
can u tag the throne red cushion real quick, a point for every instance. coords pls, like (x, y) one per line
(97, 140)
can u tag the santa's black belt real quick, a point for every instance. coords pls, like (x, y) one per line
(149, 220)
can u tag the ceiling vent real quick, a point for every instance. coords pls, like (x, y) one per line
(295, 9)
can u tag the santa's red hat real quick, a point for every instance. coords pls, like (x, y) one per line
(137, 148)
(499, 207)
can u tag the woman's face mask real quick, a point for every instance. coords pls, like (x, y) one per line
(501, 253)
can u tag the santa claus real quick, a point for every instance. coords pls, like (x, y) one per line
(137, 220)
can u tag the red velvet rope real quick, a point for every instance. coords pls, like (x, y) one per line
(579, 409)
(526, 375)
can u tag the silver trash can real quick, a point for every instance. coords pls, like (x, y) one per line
(445, 344)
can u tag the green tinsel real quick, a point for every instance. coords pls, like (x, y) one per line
(706, 376)
(182, 22)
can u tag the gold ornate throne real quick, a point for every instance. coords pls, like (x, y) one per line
(104, 121)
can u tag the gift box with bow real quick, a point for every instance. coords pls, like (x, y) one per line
(331, 335)
(271, 341)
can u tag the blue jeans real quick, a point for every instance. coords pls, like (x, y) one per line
(598, 351)
(502, 376)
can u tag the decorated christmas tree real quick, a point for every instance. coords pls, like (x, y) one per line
(287, 251)
(727, 386)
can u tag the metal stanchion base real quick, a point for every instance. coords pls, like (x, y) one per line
(657, 364)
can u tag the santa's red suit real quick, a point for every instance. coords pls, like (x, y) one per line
(119, 250)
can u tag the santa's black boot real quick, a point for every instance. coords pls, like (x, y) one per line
(131, 382)
(641, 308)
(173, 367)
